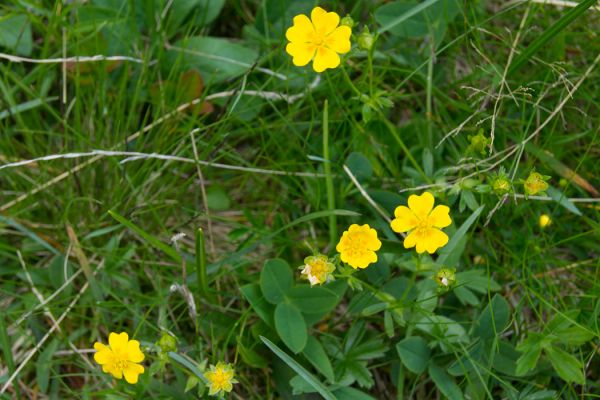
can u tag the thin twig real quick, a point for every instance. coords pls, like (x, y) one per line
(76, 59)
(364, 193)
(134, 156)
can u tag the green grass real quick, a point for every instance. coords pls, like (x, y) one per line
(521, 290)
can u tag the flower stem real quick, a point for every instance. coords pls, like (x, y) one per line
(329, 177)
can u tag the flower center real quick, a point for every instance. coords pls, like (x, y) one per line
(318, 268)
(120, 363)
(219, 378)
(423, 226)
(357, 245)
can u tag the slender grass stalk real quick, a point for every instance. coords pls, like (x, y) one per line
(329, 177)
(201, 264)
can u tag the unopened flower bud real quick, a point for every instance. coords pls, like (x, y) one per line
(365, 39)
(347, 21)
(167, 343)
(446, 278)
(535, 183)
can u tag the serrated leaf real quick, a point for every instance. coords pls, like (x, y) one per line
(568, 367)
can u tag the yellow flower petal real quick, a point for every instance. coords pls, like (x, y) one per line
(301, 30)
(325, 58)
(302, 53)
(103, 356)
(405, 220)
(421, 205)
(411, 240)
(440, 217)
(434, 240)
(134, 353)
(339, 39)
(114, 371)
(323, 21)
(132, 372)
(118, 341)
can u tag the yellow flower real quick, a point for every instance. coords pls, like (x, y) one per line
(545, 220)
(220, 378)
(423, 222)
(358, 245)
(319, 40)
(317, 269)
(121, 357)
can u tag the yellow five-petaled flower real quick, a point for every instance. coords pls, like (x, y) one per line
(358, 245)
(220, 378)
(319, 39)
(423, 222)
(121, 357)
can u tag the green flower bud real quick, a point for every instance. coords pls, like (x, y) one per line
(167, 343)
(445, 278)
(365, 39)
(500, 183)
(347, 21)
(478, 143)
(535, 183)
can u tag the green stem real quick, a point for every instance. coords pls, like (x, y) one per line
(329, 177)
(201, 264)
(429, 104)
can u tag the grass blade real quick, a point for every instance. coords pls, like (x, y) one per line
(201, 264)
(153, 241)
(328, 177)
(452, 245)
(300, 370)
(413, 11)
(549, 33)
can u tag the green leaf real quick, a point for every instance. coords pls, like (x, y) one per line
(275, 280)
(203, 12)
(150, 239)
(261, 306)
(315, 354)
(300, 370)
(313, 300)
(568, 367)
(531, 348)
(290, 326)
(445, 383)
(414, 353)
(359, 165)
(15, 34)
(43, 365)
(217, 59)
(349, 393)
(574, 336)
(189, 364)
(466, 296)
(28, 105)
(449, 254)
(548, 34)
(563, 200)
(217, 198)
(493, 320)
(390, 21)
